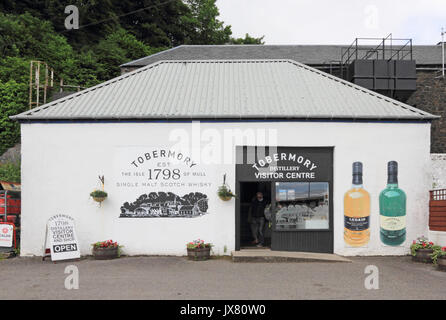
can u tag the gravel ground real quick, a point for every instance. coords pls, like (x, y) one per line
(178, 278)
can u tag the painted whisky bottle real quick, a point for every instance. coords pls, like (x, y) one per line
(357, 211)
(392, 209)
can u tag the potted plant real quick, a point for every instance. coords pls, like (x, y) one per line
(421, 250)
(98, 195)
(439, 257)
(224, 192)
(198, 250)
(104, 250)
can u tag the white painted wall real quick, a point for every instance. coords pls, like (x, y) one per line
(61, 163)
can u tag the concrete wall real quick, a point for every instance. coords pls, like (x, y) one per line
(61, 163)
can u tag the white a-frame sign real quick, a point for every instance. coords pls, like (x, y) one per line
(61, 238)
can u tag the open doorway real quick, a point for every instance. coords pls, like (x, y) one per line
(299, 184)
(247, 193)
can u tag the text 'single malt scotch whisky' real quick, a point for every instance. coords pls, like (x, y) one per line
(392, 208)
(357, 211)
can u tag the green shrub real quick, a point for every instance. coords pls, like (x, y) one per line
(225, 192)
(438, 253)
(98, 194)
(10, 172)
(13, 100)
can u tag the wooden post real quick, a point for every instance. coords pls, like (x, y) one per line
(37, 83)
(31, 85)
(46, 83)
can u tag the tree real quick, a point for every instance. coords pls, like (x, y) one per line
(90, 12)
(157, 23)
(28, 37)
(247, 40)
(13, 100)
(160, 25)
(119, 47)
(203, 26)
(14, 68)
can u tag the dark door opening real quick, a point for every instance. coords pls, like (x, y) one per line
(247, 194)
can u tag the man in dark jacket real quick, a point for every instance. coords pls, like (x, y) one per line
(256, 216)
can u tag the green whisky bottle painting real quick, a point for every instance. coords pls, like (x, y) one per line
(392, 209)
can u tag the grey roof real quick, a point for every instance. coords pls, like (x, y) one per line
(307, 54)
(229, 89)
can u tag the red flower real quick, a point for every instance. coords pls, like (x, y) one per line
(424, 244)
(431, 243)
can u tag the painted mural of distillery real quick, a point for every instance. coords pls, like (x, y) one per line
(166, 204)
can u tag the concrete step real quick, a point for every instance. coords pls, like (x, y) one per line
(267, 255)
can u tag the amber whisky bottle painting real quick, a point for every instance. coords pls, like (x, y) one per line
(392, 209)
(357, 211)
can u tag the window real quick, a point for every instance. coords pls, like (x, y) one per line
(302, 205)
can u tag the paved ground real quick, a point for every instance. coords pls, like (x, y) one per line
(177, 278)
(268, 255)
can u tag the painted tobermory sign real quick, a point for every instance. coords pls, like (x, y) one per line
(284, 164)
(61, 238)
(154, 182)
(6, 235)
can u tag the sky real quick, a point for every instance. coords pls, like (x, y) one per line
(335, 21)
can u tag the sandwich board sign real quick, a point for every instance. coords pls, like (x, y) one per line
(6, 235)
(61, 238)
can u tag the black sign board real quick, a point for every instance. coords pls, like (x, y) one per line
(283, 164)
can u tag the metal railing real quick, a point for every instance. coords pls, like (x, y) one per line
(388, 48)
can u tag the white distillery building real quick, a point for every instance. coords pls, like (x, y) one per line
(165, 135)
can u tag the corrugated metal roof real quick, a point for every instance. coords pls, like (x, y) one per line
(307, 54)
(231, 89)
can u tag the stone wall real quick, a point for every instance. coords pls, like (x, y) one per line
(438, 167)
(431, 97)
(11, 155)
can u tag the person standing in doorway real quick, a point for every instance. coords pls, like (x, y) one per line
(256, 216)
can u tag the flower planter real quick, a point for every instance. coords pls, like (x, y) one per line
(225, 198)
(199, 254)
(99, 199)
(423, 255)
(441, 262)
(99, 195)
(105, 253)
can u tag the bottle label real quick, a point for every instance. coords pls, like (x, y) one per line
(356, 223)
(392, 223)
